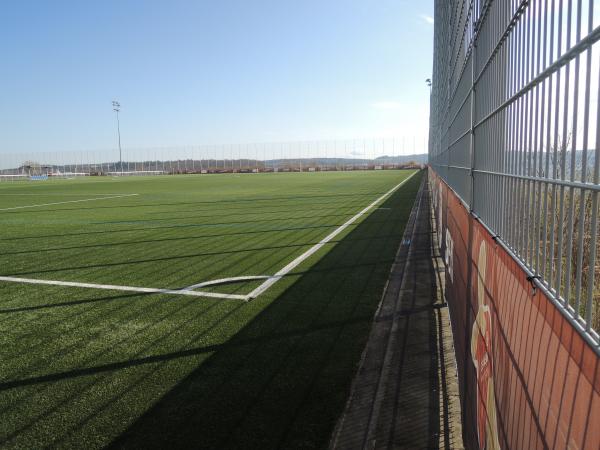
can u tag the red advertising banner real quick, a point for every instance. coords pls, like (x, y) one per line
(527, 378)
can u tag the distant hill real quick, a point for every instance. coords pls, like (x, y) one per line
(400, 159)
(196, 165)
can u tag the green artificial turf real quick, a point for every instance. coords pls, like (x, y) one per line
(86, 368)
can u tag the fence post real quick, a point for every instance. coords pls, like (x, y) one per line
(472, 131)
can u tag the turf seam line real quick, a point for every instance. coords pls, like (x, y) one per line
(68, 201)
(311, 251)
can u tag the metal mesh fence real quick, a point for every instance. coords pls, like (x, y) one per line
(514, 132)
(351, 154)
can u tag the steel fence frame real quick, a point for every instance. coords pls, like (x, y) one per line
(340, 154)
(515, 132)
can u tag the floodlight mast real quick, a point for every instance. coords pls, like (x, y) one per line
(117, 108)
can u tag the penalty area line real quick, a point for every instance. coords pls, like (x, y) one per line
(311, 251)
(67, 201)
(112, 287)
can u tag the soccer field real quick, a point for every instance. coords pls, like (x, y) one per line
(202, 311)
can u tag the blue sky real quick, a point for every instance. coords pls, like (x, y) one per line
(221, 71)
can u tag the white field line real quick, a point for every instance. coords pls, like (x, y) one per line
(311, 251)
(68, 201)
(270, 280)
(112, 287)
(227, 280)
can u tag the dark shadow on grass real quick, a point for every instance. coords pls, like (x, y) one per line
(177, 257)
(142, 296)
(171, 356)
(283, 379)
(189, 204)
(108, 298)
(395, 401)
(161, 227)
(172, 239)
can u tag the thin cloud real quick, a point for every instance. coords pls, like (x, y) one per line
(387, 105)
(426, 18)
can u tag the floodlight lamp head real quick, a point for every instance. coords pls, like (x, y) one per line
(116, 106)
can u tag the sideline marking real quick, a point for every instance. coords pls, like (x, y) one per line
(296, 262)
(68, 201)
(112, 287)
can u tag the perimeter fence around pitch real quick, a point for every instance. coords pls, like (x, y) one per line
(514, 132)
(326, 155)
